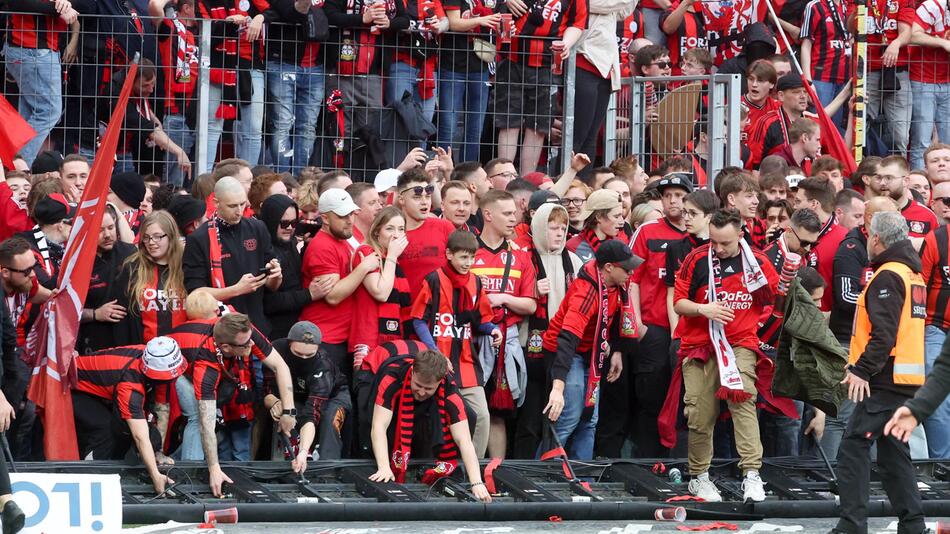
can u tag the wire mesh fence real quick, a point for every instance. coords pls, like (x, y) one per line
(357, 96)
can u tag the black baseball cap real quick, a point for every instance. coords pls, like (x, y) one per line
(676, 179)
(613, 251)
(540, 198)
(53, 209)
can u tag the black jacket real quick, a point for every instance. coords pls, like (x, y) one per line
(315, 380)
(935, 390)
(758, 42)
(847, 280)
(14, 374)
(98, 335)
(393, 131)
(283, 307)
(884, 300)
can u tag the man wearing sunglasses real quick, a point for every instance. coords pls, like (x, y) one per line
(802, 233)
(428, 236)
(940, 202)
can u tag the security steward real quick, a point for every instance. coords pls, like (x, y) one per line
(885, 369)
(110, 398)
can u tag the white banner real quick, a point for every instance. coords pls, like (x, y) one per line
(69, 503)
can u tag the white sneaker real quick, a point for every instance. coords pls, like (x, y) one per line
(704, 488)
(753, 489)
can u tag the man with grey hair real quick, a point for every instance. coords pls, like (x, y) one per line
(231, 255)
(885, 369)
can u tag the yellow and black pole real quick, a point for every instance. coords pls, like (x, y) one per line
(860, 52)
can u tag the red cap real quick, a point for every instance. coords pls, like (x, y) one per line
(538, 178)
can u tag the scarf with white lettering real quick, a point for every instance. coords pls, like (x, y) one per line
(730, 379)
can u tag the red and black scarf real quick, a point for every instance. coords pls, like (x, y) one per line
(405, 424)
(538, 322)
(600, 350)
(214, 251)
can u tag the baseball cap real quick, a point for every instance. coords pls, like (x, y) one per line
(676, 179)
(792, 80)
(537, 179)
(53, 209)
(46, 161)
(337, 201)
(386, 179)
(613, 251)
(539, 198)
(602, 199)
(793, 180)
(305, 332)
(162, 359)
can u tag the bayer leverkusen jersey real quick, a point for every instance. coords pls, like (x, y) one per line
(490, 267)
(650, 243)
(547, 19)
(920, 220)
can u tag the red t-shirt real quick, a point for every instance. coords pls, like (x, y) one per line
(692, 281)
(490, 267)
(929, 64)
(883, 16)
(326, 254)
(920, 220)
(377, 322)
(650, 243)
(757, 112)
(822, 257)
(426, 250)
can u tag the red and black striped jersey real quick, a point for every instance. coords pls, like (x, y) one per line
(629, 29)
(935, 261)
(650, 242)
(920, 220)
(755, 230)
(117, 376)
(825, 24)
(822, 256)
(768, 134)
(196, 340)
(547, 19)
(882, 26)
(691, 33)
(391, 380)
(756, 112)
(34, 24)
(692, 282)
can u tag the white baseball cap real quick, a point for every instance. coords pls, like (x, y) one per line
(386, 179)
(337, 201)
(163, 360)
(793, 180)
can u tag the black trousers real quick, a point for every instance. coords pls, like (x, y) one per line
(101, 432)
(530, 421)
(615, 420)
(593, 96)
(651, 372)
(893, 463)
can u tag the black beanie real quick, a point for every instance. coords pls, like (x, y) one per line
(129, 187)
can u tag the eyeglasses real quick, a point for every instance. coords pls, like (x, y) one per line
(244, 346)
(24, 272)
(418, 190)
(881, 178)
(804, 243)
(287, 225)
(572, 201)
(153, 238)
(692, 213)
(663, 64)
(509, 174)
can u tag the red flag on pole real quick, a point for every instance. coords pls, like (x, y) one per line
(830, 136)
(15, 133)
(52, 341)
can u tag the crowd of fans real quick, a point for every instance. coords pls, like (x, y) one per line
(268, 311)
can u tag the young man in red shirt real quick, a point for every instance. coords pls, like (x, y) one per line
(508, 276)
(427, 236)
(892, 181)
(720, 292)
(760, 81)
(826, 49)
(929, 76)
(804, 144)
(818, 195)
(740, 192)
(650, 368)
(328, 257)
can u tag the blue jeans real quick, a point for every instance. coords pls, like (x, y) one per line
(938, 425)
(826, 92)
(402, 78)
(191, 441)
(931, 108)
(576, 435)
(296, 94)
(248, 129)
(780, 432)
(234, 442)
(178, 131)
(39, 76)
(465, 94)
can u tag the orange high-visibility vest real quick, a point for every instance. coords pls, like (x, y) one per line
(908, 351)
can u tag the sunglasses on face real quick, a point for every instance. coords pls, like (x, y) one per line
(943, 200)
(24, 272)
(418, 190)
(663, 64)
(803, 242)
(287, 225)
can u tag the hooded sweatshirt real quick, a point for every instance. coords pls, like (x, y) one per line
(284, 305)
(754, 33)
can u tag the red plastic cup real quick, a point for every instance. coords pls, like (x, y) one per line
(504, 30)
(677, 514)
(943, 527)
(557, 64)
(225, 515)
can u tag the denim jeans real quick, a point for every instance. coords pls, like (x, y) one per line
(248, 129)
(576, 435)
(465, 94)
(39, 76)
(234, 442)
(895, 105)
(191, 440)
(931, 108)
(178, 131)
(780, 432)
(826, 92)
(402, 78)
(296, 94)
(938, 425)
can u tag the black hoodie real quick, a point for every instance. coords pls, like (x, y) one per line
(283, 306)
(758, 42)
(884, 300)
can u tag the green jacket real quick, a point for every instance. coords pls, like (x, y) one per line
(809, 361)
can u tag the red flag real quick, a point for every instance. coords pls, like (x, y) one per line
(15, 133)
(830, 136)
(52, 341)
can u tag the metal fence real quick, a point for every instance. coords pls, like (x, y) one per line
(288, 102)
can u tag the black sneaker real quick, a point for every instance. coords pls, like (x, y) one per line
(12, 518)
